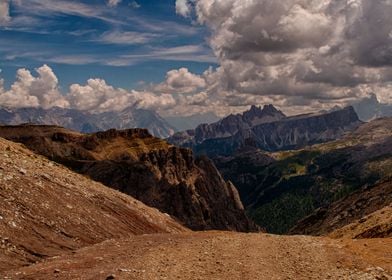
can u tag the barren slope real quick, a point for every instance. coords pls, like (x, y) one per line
(377, 224)
(149, 169)
(47, 210)
(215, 255)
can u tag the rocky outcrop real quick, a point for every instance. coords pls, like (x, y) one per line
(370, 108)
(149, 169)
(299, 131)
(232, 124)
(228, 126)
(47, 210)
(86, 122)
(270, 132)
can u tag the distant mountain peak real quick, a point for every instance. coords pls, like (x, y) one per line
(255, 108)
(270, 109)
(130, 117)
(270, 129)
(258, 112)
(254, 111)
(370, 108)
(231, 124)
(257, 115)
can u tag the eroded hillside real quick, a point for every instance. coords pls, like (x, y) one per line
(149, 169)
(47, 210)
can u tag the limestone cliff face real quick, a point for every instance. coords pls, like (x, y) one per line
(232, 124)
(296, 132)
(147, 168)
(227, 126)
(285, 133)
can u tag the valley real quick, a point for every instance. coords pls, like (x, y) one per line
(333, 201)
(56, 224)
(281, 188)
(285, 168)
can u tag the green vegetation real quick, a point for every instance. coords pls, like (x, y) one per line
(282, 213)
(279, 194)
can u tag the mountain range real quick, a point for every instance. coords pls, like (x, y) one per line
(268, 129)
(195, 128)
(86, 122)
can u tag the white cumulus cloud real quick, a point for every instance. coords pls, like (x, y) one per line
(298, 54)
(29, 91)
(97, 96)
(181, 81)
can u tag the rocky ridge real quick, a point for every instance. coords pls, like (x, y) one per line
(151, 170)
(271, 131)
(86, 122)
(227, 126)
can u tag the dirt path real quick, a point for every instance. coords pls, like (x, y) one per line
(219, 255)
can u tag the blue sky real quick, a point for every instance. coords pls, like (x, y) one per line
(123, 44)
(301, 56)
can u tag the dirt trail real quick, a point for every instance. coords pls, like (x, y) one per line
(219, 255)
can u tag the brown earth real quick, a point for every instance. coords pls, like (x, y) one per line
(366, 213)
(219, 255)
(149, 169)
(378, 224)
(47, 210)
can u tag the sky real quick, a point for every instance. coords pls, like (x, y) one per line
(183, 57)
